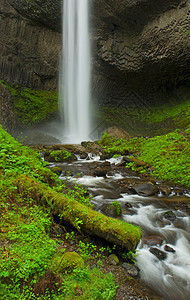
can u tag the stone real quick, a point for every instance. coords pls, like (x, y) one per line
(158, 253)
(113, 259)
(132, 270)
(153, 240)
(169, 215)
(145, 189)
(169, 249)
(101, 171)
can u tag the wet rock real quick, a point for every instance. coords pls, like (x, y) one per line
(158, 253)
(169, 249)
(165, 191)
(153, 240)
(101, 171)
(169, 215)
(111, 209)
(128, 205)
(56, 170)
(131, 269)
(145, 189)
(113, 259)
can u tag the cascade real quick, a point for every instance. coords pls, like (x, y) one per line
(74, 81)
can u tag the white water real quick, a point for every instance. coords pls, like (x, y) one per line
(74, 85)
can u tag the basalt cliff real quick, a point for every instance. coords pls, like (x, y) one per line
(141, 48)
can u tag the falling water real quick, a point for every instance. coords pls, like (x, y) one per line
(75, 71)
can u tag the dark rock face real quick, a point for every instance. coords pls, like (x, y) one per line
(45, 12)
(141, 47)
(7, 117)
(29, 52)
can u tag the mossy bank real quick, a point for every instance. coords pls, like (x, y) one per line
(32, 106)
(30, 196)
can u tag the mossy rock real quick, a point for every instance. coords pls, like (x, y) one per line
(59, 156)
(70, 261)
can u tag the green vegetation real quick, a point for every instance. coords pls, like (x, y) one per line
(60, 155)
(32, 106)
(30, 195)
(117, 205)
(167, 156)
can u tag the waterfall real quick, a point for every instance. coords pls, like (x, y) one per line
(74, 84)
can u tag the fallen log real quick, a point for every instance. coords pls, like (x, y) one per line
(80, 216)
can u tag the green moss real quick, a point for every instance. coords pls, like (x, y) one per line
(167, 156)
(32, 106)
(70, 261)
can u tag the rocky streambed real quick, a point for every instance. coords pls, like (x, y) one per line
(162, 211)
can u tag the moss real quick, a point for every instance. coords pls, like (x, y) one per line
(70, 261)
(32, 106)
(165, 157)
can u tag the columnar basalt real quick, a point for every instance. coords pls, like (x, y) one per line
(141, 47)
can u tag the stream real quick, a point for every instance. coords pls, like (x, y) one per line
(164, 250)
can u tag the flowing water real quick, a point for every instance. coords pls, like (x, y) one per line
(168, 276)
(74, 82)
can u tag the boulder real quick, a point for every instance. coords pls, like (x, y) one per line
(131, 270)
(145, 189)
(169, 215)
(113, 259)
(169, 249)
(153, 240)
(158, 253)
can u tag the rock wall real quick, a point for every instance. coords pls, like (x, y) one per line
(140, 47)
(29, 51)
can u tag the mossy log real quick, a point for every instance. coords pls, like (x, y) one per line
(81, 217)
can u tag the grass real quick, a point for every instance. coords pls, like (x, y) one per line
(167, 156)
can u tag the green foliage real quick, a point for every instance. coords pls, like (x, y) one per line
(117, 205)
(32, 106)
(27, 250)
(88, 284)
(167, 155)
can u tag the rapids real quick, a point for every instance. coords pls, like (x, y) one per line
(168, 276)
